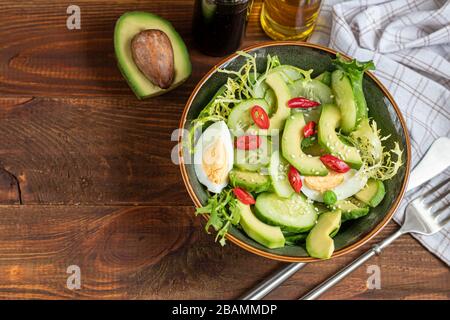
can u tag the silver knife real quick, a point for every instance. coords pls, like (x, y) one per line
(435, 161)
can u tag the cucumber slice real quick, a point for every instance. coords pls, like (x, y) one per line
(253, 160)
(311, 89)
(278, 170)
(262, 91)
(240, 118)
(294, 214)
(289, 73)
(372, 194)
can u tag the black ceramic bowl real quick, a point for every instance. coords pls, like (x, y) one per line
(382, 108)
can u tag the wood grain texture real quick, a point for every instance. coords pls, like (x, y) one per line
(91, 151)
(163, 253)
(39, 56)
(86, 177)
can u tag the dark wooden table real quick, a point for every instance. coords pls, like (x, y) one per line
(86, 177)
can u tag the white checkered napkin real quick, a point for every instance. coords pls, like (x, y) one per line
(409, 42)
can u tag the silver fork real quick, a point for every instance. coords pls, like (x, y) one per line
(421, 217)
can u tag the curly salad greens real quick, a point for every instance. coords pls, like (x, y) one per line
(288, 158)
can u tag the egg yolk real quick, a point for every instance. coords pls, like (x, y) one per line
(214, 162)
(322, 184)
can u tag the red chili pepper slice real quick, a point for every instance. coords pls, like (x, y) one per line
(309, 129)
(334, 163)
(294, 179)
(243, 196)
(249, 142)
(301, 102)
(260, 117)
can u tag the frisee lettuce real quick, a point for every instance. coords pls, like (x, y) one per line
(382, 166)
(223, 213)
(239, 87)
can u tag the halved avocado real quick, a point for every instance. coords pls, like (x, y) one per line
(127, 27)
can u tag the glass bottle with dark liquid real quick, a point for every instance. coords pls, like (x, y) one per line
(219, 25)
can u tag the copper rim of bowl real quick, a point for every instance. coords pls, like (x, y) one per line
(260, 252)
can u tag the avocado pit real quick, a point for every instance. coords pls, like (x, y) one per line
(153, 54)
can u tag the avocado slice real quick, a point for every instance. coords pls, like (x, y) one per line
(291, 146)
(253, 160)
(268, 236)
(262, 90)
(250, 181)
(127, 27)
(345, 100)
(328, 122)
(276, 82)
(351, 209)
(373, 193)
(319, 243)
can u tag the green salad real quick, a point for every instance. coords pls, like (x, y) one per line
(288, 158)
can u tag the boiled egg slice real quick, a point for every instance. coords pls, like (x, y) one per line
(213, 157)
(344, 185)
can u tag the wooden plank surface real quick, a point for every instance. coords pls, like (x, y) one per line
(86, 177)
(162, 252)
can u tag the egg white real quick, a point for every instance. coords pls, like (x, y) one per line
(218, 130)
(353, 182)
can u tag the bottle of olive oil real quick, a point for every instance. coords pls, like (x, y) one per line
(289, 19)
